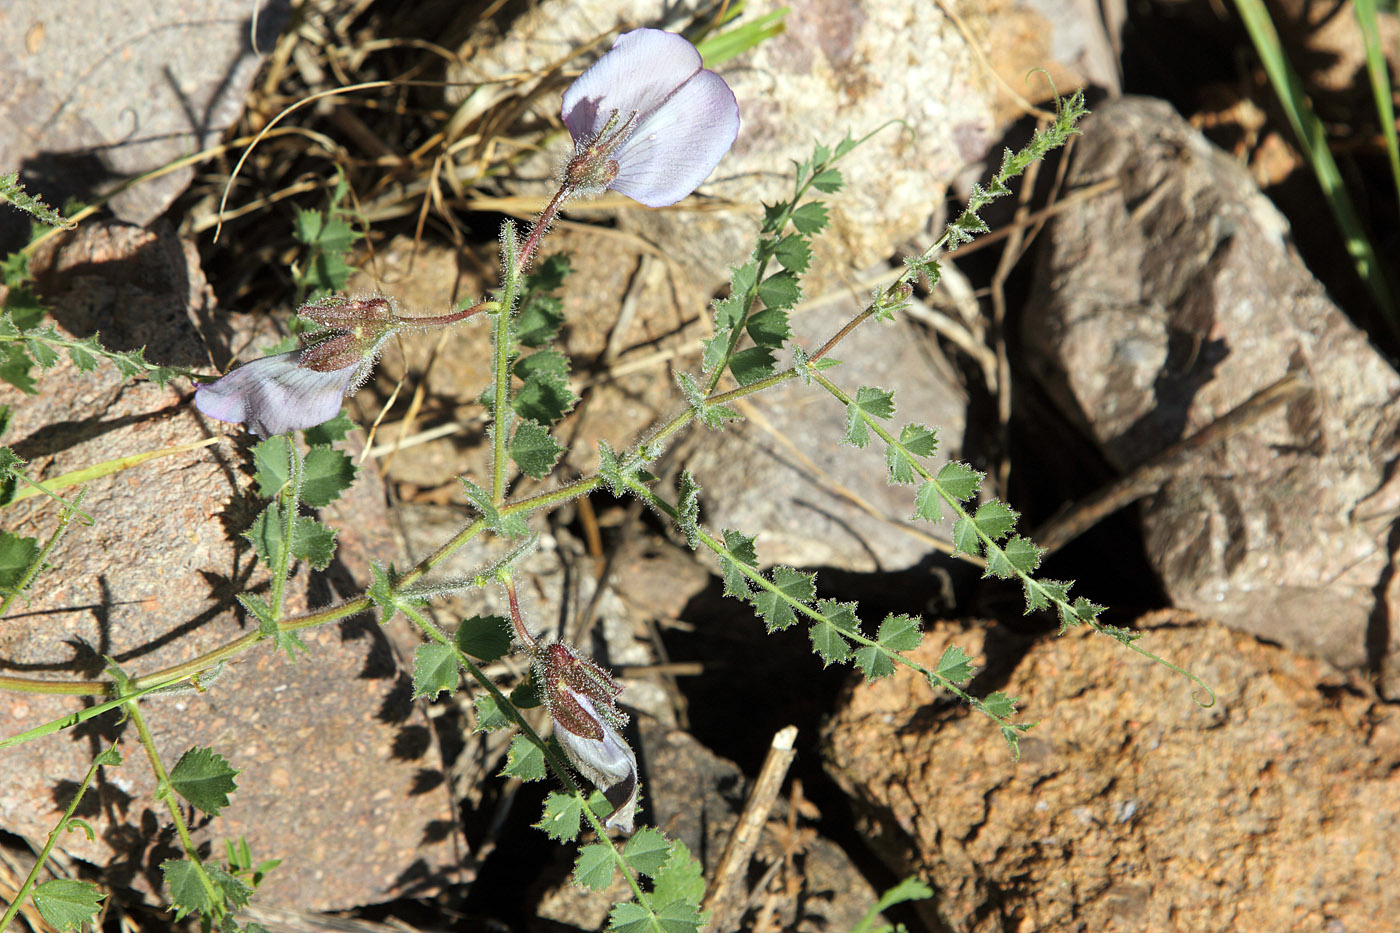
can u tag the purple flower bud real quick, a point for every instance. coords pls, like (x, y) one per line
(581, 697)
(647, 120)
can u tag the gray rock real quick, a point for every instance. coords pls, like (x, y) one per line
(1164, 303)
(340, 776)
(88, 100)
(785, 475)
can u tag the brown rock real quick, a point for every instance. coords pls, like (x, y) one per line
(1132, 808)
(1169, 300)
(336, 764)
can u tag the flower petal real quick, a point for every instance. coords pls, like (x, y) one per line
(640, 72)
(676, 147)
(274, 394)
(608, 763)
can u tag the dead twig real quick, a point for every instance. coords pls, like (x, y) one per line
(728, 891)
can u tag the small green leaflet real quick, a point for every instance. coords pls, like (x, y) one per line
(312, 541)
(329, 432)
(869, 400)
(1018, 556)
(594, 867)
(776, 608)
(326, 473)
(526, 695)
(741, 547)
(67, 904)
(545, 395)
(489, 717)
(533, 450)
(780, 291)
(995, 518)
(673, 918)
(769, 327)
(793, 253)
(748, 367)
(485, 638)
(954, 665)
(647, 851)
(204, 778)
(810, 217)
(187, 893)
(899, 632)
(916, 440)
(542, 362)
(688, 509)
(828, 181)
(562, 813)
(959, 480)
(236, 893)
(381, 592)
(434, 670)
(16, 556)
(1000, 704)
(827, 638)
(681, 879)
(541, 315)
(14, 368)
(524, 760)
(927, 503)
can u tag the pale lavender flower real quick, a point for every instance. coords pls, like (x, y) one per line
(581, 697)
(648, 120)
(276, 394)
(304, 388)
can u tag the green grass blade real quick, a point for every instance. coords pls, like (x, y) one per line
(720, 47)
(1377, 68)
(1313, 139)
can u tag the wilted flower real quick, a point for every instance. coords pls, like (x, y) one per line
(581, 697)
(276, 394)
(304, 388)
(648, 120)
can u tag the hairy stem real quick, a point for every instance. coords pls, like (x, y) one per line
(215, 894)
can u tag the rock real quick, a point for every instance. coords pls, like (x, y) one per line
(1131, 806)
(1164, 303)
(88, 101)
(336, 763)
(785, 475)
(838, 66)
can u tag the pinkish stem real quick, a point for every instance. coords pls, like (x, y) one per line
(537, 232)
(442, 320)
(521, 631)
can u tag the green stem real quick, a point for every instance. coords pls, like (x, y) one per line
(82, 715)
(557, 765)
(500, 364)
(18, 900)
(164, 791)
(33, 569)
(290, 497)
(756, 577)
